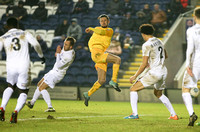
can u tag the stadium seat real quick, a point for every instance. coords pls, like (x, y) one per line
(77, 64)
(74, 71)
(28, 9)
(2, 10)
(50, 10)
(32, 31)
(38, 65)
(33, 9)
(41, 32)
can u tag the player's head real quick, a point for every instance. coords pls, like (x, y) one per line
(146, 30)
(69, 43)
(197, 13)
(104, 20)
(12, 22)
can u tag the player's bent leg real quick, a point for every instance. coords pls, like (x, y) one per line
(30, 103)
(43, 89)
(101, 80)
(20, 104)
(134, 99)
(40, 82)
(116, 64)
(14, 117)
(167, 103)
(6, 96)
(37, 93)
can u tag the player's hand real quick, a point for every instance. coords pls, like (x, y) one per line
(87, 30)
(132, 78)
(58, 49)
(189, 70)
(43, 60)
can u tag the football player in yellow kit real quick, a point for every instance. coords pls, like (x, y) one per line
(98, 43)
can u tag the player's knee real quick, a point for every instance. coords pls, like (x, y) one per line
(118, 60)
(102, 81)
(157, 94)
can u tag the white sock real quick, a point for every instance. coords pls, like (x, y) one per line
(168, 104)
(188, 102)
(133, 101)
(6, 96)
(46, 97)
(21, 101)
(35, 96)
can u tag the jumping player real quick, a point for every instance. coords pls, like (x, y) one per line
(15, 43)
(98, 43)
(64, 58)
(154, 56)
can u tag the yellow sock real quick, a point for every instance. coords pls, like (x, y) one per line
(115, 72)
(94, 88)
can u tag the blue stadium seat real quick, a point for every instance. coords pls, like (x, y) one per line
(89, 71)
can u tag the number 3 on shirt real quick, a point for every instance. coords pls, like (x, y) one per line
(16, 45)
(161, 51)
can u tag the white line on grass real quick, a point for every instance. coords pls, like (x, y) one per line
(73, 117)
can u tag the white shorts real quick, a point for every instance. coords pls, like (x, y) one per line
(52, 77)
(156, 77)
(191, 82)
(19, 76)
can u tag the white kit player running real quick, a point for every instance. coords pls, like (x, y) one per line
(15, 43)
(192, 73)
(154, 56)
(64, 58)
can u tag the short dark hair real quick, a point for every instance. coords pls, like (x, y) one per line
(147, 29)
(104, 15)
(197, 12)
(72, 40)
(12, 22)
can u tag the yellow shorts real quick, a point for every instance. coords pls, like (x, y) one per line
(99, 57)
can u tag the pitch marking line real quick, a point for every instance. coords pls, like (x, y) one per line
(75, 117)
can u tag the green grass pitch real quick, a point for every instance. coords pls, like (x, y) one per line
(74, 116)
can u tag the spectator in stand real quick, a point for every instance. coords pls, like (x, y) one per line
(6, 2)
(127, 23)
(115, 47)
(148, 13)
(81, 7)
(31, 2)
(52, 2)
(159, 18)
(174, 9)
(74, 29)
(118, 36)
(18, 11)
(43, 44)
(141, 19)
(41, 12)
(90, 2)
(65, 7)
(113, 8)
(62, 28)
(128, 42)
(127, 6)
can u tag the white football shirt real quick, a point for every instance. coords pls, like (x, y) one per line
(193, 46)
(154, 48)
(15, 43)
(63, 61)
